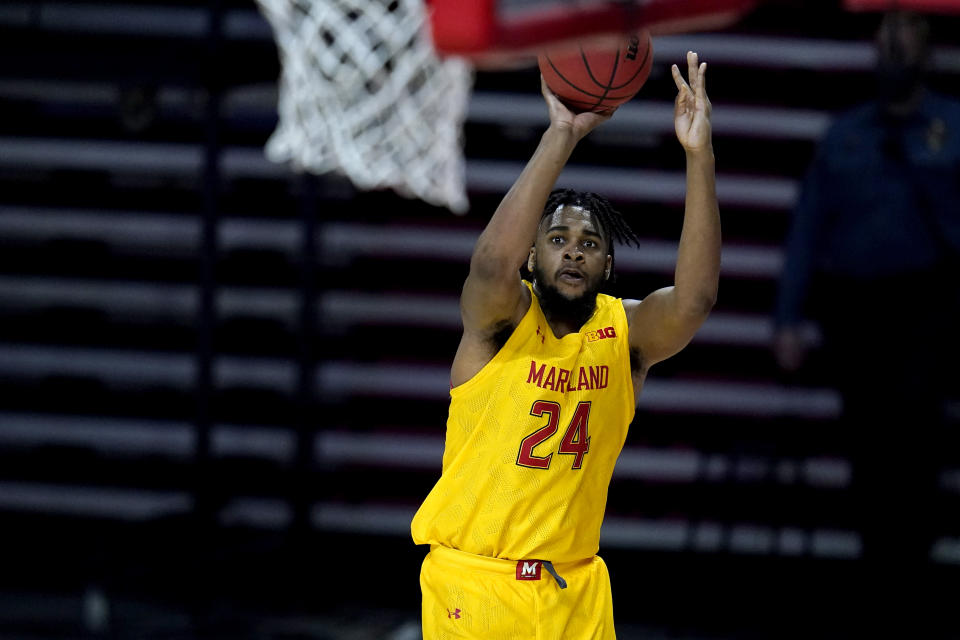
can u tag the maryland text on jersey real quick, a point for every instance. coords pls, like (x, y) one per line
(564, 380)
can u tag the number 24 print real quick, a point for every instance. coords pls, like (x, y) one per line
(575, 442)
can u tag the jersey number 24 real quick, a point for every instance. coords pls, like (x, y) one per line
(575, 442)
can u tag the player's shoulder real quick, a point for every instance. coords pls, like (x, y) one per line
(630, 307)
(652, 304)
(606, 298)
(613, 303)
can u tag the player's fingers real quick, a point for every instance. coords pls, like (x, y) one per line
(544, 89)
(547, 91)
(702, 81)
(677, 78)
(598, 117)
(692, 68)
(553, 103)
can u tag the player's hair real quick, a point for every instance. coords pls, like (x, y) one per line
(613, 225)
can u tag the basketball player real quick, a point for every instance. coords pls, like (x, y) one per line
(544, 385)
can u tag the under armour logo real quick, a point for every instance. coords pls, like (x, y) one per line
(541, 334)
(453, 614)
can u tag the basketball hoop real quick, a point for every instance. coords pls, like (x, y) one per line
(362, 92)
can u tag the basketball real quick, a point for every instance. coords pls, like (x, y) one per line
(598, 77)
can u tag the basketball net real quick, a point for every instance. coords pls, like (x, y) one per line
(363, 93)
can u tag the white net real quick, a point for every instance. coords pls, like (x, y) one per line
(363, 92)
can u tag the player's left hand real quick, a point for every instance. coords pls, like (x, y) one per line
(691, 112)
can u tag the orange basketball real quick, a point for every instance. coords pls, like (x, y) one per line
(598, 77)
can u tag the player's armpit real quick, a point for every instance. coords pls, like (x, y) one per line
(660, 326)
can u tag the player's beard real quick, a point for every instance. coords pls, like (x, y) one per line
(556, 305)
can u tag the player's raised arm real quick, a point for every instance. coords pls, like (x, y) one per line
(493, 292)
(666, 320)
(493, 298)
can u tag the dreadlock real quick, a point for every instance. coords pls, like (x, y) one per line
(612, 223)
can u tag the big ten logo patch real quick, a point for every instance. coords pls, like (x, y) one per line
(528, 570)
(600, 334)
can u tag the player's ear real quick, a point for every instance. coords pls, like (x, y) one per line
(609, 267)
(532, 259)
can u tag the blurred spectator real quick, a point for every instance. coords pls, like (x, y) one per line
(873, 256)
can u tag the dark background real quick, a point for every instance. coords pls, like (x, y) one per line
(223, 385)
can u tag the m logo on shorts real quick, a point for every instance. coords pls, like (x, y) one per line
(528, 570)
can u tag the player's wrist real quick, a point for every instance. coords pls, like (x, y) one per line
(562, 133)
(701, 154)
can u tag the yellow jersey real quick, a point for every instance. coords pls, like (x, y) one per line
(532, 440)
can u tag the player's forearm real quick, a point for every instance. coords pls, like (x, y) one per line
(697, 273)
(503, 245)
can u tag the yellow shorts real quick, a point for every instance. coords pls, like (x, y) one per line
(469, 596)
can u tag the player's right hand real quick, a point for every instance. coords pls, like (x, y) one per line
(563, 118)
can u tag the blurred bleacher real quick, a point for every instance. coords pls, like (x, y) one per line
(223, 385)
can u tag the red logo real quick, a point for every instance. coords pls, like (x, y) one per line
(528, 569)
(453, 614)
(541, 334)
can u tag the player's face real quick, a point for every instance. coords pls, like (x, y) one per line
(570, 254)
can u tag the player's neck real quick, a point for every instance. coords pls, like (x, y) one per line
(561, 328)
(564, 315)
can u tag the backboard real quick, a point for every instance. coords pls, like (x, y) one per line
(493, 30)
(923, 6)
